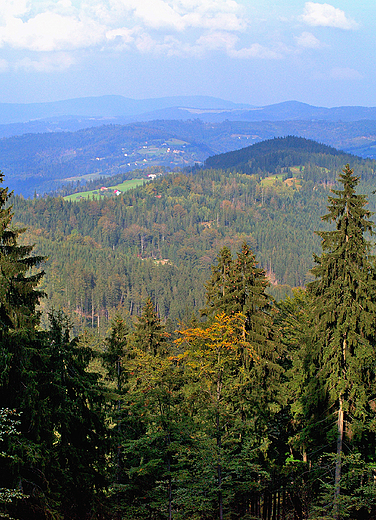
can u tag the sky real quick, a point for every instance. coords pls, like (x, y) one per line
(258, 52)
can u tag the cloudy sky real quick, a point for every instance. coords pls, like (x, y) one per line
(249, 51)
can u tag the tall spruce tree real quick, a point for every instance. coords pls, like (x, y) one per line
(149, 334)
(219, 287)
(19, 297)
(344, 310)
(115, 354)
(238, 287)
(18, 288)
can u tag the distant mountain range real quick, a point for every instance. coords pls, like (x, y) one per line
(124, 110)
(111, 106)
(80, 139)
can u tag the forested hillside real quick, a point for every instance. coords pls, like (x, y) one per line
(254, 411)
(43, 162)
(161, 239)
(39, 163)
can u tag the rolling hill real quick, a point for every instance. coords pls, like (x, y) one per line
(160, 239)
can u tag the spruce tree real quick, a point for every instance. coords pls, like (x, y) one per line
(238, 287)
(344, 312)
(218, 287)
(115, 354)
(149, 334)
(19, 298)
(19, 295)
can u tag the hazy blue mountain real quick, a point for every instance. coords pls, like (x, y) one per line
(45, 161)
(55, 146)
(293, 110)
(105, 106)
(73, 114)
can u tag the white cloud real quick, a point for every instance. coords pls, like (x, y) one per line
(48, 63)
(50, 31)
(63, 25)
(217, 41)
(227, 42)
(11, 8)
(120, 38)
(256, 51)
(162, 27)
(179, 15)
(308, 41)
(157, 14)
(326, 15)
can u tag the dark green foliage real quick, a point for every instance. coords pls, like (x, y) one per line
(239, 285)
(149, 334)
(18, 293)
(344, 304)
(61, 453)
(116, 350)
(219, 288)
(235, 420)
(276, 153)
(337, 357)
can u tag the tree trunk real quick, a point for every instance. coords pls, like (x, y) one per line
(219, 471)
(340, 428)
(337, 478)
(118, 461)
(219, 447)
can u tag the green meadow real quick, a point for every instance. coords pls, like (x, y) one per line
(124, 186)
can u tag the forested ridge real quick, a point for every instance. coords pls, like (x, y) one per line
(250, 409)
(161, 239)
(42, 162)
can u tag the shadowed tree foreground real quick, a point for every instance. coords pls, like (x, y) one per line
(254, 411)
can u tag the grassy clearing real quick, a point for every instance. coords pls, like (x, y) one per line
(124, 186)
(269, 181)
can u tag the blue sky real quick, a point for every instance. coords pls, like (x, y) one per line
(247, 51)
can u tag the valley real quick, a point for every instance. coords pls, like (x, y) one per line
(174, 341)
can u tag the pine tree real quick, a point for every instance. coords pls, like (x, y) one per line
(238, 285)
(19, 297)
(344, 311)
(115, 355)
(115, 351)
(18, 294)
(66, 424)
(153, 425)
(149, 334)
(237, 288)
(218, 287)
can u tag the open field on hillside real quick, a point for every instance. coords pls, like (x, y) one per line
(109, 191)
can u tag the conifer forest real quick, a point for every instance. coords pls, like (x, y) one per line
(202, 347)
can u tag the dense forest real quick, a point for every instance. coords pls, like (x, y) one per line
(251, 409)
(161, 239)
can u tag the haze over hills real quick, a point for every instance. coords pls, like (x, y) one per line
(107, 106)
(80, 139)
(206, 108)
(44, 162)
